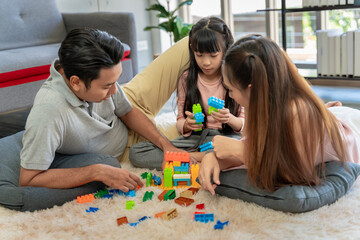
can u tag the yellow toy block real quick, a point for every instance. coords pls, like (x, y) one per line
(194, 175)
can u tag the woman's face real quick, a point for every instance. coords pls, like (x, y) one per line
(241, 96)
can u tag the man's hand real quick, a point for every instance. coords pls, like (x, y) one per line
(119, 178)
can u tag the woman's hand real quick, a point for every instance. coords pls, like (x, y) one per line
(222, 116)
(333, 104)
(209, 167)
(190, 123)
(225, 147)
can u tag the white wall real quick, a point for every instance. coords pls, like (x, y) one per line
(142, 19)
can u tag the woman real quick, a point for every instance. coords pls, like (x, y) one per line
(288, 130)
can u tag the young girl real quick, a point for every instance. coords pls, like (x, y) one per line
(289, 130)
(209, 39)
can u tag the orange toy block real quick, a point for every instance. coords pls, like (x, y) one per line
(85, 198)
(194, 190)
(183, 201)
(159, 215)
(161, 196)
(177, 156)
(121, 221)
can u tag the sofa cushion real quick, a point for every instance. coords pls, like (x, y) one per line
(26, 23)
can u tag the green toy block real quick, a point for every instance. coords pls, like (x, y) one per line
(169, 195)
(143, 176)
(197, 108)
(148, 196)
(148, 179)
(168, 176)
(101, 193)
(212, 109)
(130, 205)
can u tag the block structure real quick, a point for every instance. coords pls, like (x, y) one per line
(198, 115)
(215, 104)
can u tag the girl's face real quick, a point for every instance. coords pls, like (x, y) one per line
(209, 63)
(241, 96)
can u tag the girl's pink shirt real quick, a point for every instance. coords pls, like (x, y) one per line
(207, 90)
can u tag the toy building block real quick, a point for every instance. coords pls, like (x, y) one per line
(186, 193)
(169, 195)
(159, 215)
(92, 209)
(206, 146)
(194, 190)
(172, 213)
(148, 179)
(183, 201)
(121, 221)
(197, 108)
(108, 196)
(205, 218)
(183, 168)
(168, 176)
(161, 196)
(197, 213)
(220, 225)
(157, 180)
(143, 175)
(101, 193)
(130, 193)
(182, 181)
(85, 198)
(194, 174)
(215, 104)
(176, 163)
(198, 115)
(200, 206)
(148, 196)
(130, 205)
(177, 156)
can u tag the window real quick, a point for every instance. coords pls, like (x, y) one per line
(204, 8)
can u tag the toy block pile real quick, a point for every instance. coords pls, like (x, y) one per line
(215, 104)
(198, 115)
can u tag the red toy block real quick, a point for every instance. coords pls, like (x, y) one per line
(200, 206)
(121, 221)
(194, 190)
(183, 201)
(161, 196)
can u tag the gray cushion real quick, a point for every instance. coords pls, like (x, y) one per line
(294, 199)
(36, 198)
(26, 23)
(20, 58)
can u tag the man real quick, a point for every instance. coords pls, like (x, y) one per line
(82, 109)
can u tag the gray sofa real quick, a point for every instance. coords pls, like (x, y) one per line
(30, 34)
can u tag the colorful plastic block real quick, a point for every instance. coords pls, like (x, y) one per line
(148, 196)
(194, 174)
(186, 193)
(220, 225)
(121, 221)
(205, 218)
(101, 193)
(161, 196)
(206, 146)
(200, 206)
(196, 108)
(157, 180)
(183, 201)
(107, 196)
(148, 179)
(85, 198)
(199, 117)
(130, 205)
(172, 213)
(169, 195)
(178, 180)
(159, 215)
(177, 156)
(143, 175)
(92, 209)
(215, 104)
(130, 193)
(168, 175)
(194, 190)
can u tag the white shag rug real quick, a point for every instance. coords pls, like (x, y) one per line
(340, 220)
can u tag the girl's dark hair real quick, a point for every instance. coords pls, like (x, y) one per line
(208, 35)
(84, 52)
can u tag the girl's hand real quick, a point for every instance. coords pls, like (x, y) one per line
(190, 123)
(222, 116)
(333, 104)
(209, 167)
(225, 147)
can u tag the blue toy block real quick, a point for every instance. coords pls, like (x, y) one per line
(206, 146)
(215, 104)
(107, 196)
(199, 117)
(220, 225)
(92, 209)
(187, 180)
(181, 169)
(205, 218)
(157, 180)
(130, 193)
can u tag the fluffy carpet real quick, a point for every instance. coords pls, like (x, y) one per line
(340, 220)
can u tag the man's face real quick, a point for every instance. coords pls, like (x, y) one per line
(101, 88)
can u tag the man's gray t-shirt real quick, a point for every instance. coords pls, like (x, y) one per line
(61, 122)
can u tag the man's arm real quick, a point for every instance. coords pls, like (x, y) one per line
(73, 177)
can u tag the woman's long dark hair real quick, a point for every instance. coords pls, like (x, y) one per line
(208, 35)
